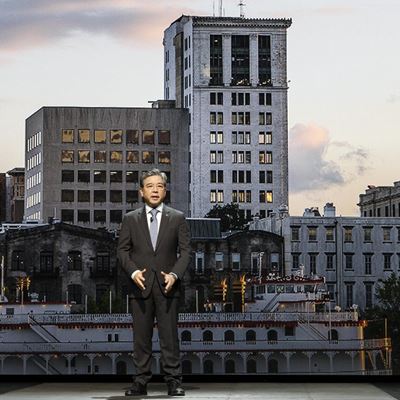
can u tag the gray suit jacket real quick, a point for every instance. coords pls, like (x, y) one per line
(135, 251)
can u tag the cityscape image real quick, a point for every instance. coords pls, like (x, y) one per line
(199, 195)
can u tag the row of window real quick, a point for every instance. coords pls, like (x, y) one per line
(34, 161)
(240, 118)
(388, 211)
(240, 196)
(100, 176)
(100, 156)
(240, 137)
(240, 157)
(116, 136)
(33, 200)
(34, 141)
(370, 260)
(34, 180)
(240, 98)
(217, 176)
(34, 217)
(347, 233)
(99, 196)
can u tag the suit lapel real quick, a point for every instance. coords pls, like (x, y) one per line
(145, 226)
(163, 225)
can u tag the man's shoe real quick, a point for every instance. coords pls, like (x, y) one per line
(137, 389)
(175, 389)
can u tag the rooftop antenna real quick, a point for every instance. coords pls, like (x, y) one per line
(213, 8)
(242, 5)
(220, 8)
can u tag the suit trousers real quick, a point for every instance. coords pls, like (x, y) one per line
(165, 310)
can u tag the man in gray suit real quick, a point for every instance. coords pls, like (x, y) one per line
(149, 241)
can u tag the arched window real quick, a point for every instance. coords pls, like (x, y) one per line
(75, 293)
(272, 366)
(250, 336)
(121, 368)
(251, 366)
(186, 336)
(333, 335)
(229, 336)
(272, 335)
(207, 336)
(208, 367)
(230, 366)
(186, 367)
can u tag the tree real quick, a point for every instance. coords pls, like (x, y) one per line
(231, 218)
(388, 308)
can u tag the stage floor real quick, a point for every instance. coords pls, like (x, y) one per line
(199, 391)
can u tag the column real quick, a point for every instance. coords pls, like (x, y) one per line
(24, 360)
(331, 355)
(227, 58)
(253, 43)
(201, 356)
(288, 354)
(113, 357)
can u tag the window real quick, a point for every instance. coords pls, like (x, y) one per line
(100, 156)
(100, 216)
(164, 157)
(132, 176)
(100, 136)
(46, 261)
(264, 99)
(265, 177)
(241, 137)
(386, 230)
(115, 216)
(264, 137)
(116, 156)
(67, 156)
(67, 175)
(99, 176)
(265, 118)
(103, 262)
(67, 196)
(132, 136)
(235, 261)
(116, 196)
(329, 231)
(84, 136)
(295, 260)
(216, 60)
(164, 137)
(68, 136)
(216, 157)
(241, 196)
(216, 176)
(368, 294)
(84, 196)
(102, 293)
(313, 263)
(75, 293)
(148, 137)
(368, 264)
(367, 234)
(216, 98)
(216, 137)
(84, 216)
(264, 60)
(17, 260)
(84, 176)
(349, 295)
(216, 118)
(387, 261)
(331, 289)
(132, 157)
(115, 176)
(219, 261)
(240, 118)
(348, 261)
(67, 215)
(216, 196)
(240, 99)
(348, 234)
(329, 261)
(74, 261)
(132, 196)
(265, 157)
(312, 233)
(199, 263)
(265, 196)
(116, 136)
(240, 53)
(83, 156)
(148, 157)
(100, 196)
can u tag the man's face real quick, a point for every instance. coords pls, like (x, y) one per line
(153, 191)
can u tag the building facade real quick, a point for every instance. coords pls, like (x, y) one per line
(17, 194)
(83, 164)
(3, 197)
(231, 75)
(353, 253)
(380, 201)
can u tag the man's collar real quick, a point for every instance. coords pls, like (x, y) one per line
(159, 208)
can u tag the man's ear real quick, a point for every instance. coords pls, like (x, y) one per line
(141, 192)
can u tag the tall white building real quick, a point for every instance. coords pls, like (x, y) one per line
(231, 75)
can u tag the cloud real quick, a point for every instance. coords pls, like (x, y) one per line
(334, 11)
(317, 163)
(26, 24)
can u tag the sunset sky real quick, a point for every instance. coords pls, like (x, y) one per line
(343, 67)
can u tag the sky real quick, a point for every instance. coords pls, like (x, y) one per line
(343, 68)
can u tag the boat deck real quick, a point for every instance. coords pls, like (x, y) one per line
(199, 391)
